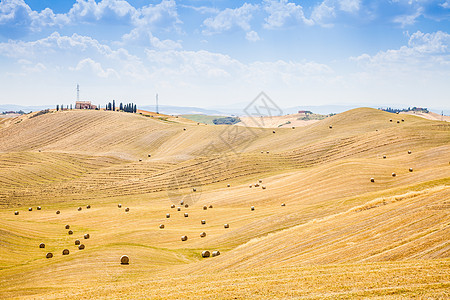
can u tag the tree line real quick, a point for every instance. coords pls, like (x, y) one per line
(128, 107)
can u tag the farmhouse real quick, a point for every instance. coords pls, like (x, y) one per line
(84, 105)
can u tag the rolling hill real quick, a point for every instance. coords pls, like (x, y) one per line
(337, 234)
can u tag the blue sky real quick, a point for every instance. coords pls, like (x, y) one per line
(210, 53)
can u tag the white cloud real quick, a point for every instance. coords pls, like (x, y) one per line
(252, 36)
(349, 5)
(328, 10)
(229, 18)
(202, 9)
(323, 14)
(445, 4)
(145, 37)
(405, 20)
(282, 12)
(96, 68)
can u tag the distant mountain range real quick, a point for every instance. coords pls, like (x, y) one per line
(229, 110)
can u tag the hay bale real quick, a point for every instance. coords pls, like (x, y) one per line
(58, 212)
(179, 208)
(39, 208)
(409, 151)
(403, 120)
(119, 205)
(410, 169)
(184, 238)
(49, 255)
(67, 227)
(16, 213)
(81, 247)
(79, 208)
(184, 129)
(228, 185)
(140, 160)
(86, 236)
(210, 206)
(267, 152)
(172, 206)
(398, 122)
(88, 206)
(41, 245)
(252, 208)
(372, 179)
(384, 156)
(205, 207)
(262, 152)
(167, 216)
(203, 234)
(127, 209)
(283, 204)
(30, 209)
(293, 127)
(77, 242)
(250, 186)
(331, 127)
(215, 253)
(161, 226)
(186, 215)
(182, 202)
(65, 252)
(194, 189)
(205, 253)
(203, 222)
(124, 260)
(263, 187)
(186, 205)
(70, 232)
(256, 184)
(149, 155)
(260, 180)
(393, 174)
(390, 120)
(226, 225)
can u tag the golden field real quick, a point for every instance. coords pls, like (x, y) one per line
(339, 235)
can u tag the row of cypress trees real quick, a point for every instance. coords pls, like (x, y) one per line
(128, 107)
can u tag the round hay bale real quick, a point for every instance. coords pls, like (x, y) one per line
(124, 260)
(186, 215)
(283, 204)
(194, 189)
(263, 187)
(127, 209)
(67, 227)
(330, 126)
(39, 208)
(49, 255)
(16, 213)
(226, 225)
(390, 120)
(140, 160)
(267, 152)
(393, 174)
(70, 232)
(256, 184)
(205, 207)
(41, 245)
(65, 252)
(79, 208)
(30, 209)
(215, 253)
(409, 151)
(161, 226)
(228, 185)
(384, 156)
(410, 169)
(58, 212)
(205, 253)
(77, 242)
(149, 155)
(167, 216)
(119, 205)
(210, 206)
(184, 238)
(184, 129)
(203, 222)
(403, 120)
(81, 247)
(172, 206)
(88, 206)
(372, 179)
(179, 208)
(293, 127)
(260, 180)
(86, 236)
(273, 131)
(250, 186)
(203, 234)
(262, 151)
(252, 208)
(182, 202)
(398, 122)
(186, 205)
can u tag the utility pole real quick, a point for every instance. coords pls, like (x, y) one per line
(157, 109)
(78, 92)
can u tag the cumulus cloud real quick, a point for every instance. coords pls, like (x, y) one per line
(410, 19)
(229, 18)
(144, 37)
(252, 36)
(283, 12)
(96, 68)
(328, 10)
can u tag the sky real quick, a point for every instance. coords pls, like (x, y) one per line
(217, 53)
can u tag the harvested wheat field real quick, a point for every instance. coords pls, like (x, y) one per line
(320, 228)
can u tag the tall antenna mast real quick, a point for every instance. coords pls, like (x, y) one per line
(157, 109)
(78, 92)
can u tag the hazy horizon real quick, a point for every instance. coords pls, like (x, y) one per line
(206, 54)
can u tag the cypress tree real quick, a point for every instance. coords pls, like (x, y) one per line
(57, 107)
(114, 105)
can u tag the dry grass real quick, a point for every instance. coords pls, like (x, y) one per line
(387, 239)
